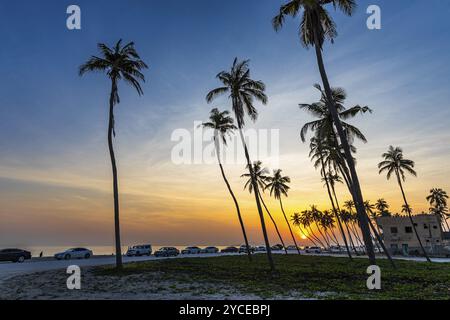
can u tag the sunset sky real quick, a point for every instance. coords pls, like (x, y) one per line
(55, 179)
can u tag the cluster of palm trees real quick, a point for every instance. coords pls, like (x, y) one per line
(331, 145)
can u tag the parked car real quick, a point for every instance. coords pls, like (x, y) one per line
(140, 250)
(292, 247)
(167, 252)
(14, 255)
(260, 249)
(210, 250)
(74, 253)
(277, 247)
(191, 250)
(243, 249)
(313, 250)
(336, 249)
(230, 250)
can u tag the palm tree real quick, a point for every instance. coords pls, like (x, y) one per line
(299, 221)
(119, 63)
(242, 90)
(223, 125)
(261, 179)
(382, 206)
(319, 150)
(438, 201)
(278, 186)
(316, 27)
(406, 208)
(395, 163)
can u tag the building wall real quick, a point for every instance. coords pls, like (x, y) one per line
(399, 236)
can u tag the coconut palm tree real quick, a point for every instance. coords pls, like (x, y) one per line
(316, 27)
(278, 186)
(242, 90)
(438, 201)
(118, 63)
(320, 149)
(299, 221)
(395, 163)
(406, 208)
(223, 125)
(261, 179)
(382, 206)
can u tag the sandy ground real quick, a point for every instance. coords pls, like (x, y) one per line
(51, 285)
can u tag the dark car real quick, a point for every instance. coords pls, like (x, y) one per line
(167, 252)
(243, 249)
(230, 250)
(14, 255)
(277, 247)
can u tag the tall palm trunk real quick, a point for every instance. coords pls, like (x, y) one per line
(307, 237)
(340, 225)
(114, 172)
(311, 232)
(274, 224)
(410, 217)
(289, 226)
(234, 199)
(258, 204)
(336, 213)
(358, 199)
(323, 235)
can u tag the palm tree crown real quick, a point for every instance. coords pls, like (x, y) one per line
(315, 16)
(395, 163)
(260, 175)
(437, 197)
(324, 125)
(222, 124)
(277, 184)
(242, 90)
(119, 62)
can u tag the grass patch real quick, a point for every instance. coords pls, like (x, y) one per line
(306, 276)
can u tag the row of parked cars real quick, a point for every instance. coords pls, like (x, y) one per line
(18, 255)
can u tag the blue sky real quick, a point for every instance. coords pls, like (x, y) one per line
(53, 123)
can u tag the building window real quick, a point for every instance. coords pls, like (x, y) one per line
(434, 227)
(415, 224)
(394, 230)
(408, 229)
(425, 226)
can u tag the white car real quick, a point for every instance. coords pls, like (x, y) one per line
(313, 250)
(260, 249)
(336, 249)
(74, 253)
(141, 250)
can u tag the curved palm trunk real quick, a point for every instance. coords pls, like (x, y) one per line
(258, 204)
(336, 213)
(114, 172)
(323, 236)
(358, 199)
(340, 225)
(410, 218)
(274, 223)
(290, 230)
(311, 232)
(244, 233)
(304, 234)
